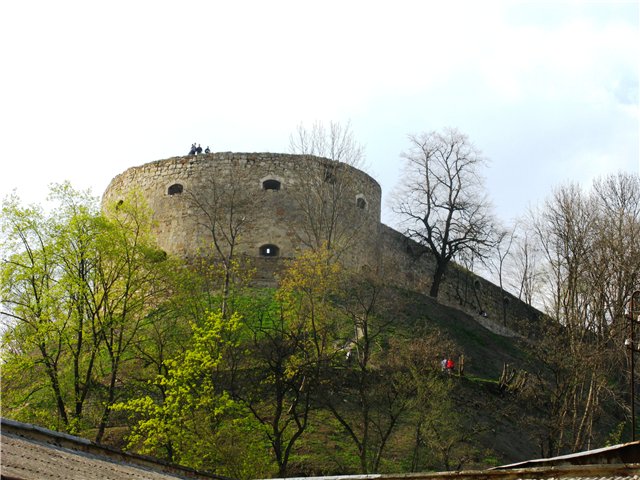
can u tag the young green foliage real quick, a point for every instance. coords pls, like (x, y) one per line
(76, 287)
(196, 423)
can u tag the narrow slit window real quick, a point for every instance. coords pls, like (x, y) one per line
(269, 251)
(361, 203)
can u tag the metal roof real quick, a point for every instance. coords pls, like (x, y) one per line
(623, 454)
(29, 452)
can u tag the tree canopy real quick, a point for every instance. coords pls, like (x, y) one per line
(442, 202)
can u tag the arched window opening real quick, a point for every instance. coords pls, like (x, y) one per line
(361, 203)
(175, 189)
(269, 250)
(271, 185)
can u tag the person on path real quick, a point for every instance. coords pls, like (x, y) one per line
(450, 366)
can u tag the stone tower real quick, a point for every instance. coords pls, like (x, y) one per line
(279, 198)
(283, 203)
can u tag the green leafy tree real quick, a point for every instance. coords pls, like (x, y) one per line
(45, 277)
(289, 349)
(76, 287)
(196, 423)
(365, 398)
(132, 280)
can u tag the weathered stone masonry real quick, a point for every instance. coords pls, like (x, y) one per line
(278, 180)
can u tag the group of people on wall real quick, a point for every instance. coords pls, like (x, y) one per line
(198, 150)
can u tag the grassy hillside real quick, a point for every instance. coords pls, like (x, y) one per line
(497, 426)
(485, 352)
(486, 409)
(481, 422)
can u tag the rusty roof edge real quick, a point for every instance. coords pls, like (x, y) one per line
(28, 428)
(564, 471)
(622, 454)
(534, 469)
(36, 433)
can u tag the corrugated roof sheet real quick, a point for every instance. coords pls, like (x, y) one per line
(623, 454)
(28, 452)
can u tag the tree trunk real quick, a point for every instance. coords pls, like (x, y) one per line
(55, 386)
(438, 275)
(111, 398)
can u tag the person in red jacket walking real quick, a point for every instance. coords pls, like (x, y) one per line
(450, 366)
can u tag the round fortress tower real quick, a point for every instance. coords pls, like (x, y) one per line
(274, 193)
(281, 201)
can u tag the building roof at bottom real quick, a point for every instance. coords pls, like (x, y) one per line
(28, 452)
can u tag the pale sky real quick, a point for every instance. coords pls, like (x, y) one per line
(547, 90)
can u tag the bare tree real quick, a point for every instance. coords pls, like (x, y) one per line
(525, 266)
(572, 367)
(327, 197)
(442, 200)
(498, 261)
(617, 234)
(277, 382)
(591, 252)
(369, 391)
(565, 233)
(223, 209)
(335, 142)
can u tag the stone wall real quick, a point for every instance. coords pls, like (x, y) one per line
(277, 196)
(273, 216)
(410, 266)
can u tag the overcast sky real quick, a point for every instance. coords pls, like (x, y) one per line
(547, 90)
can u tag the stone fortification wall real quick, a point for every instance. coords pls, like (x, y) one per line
(275, 194)
(411, 267)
